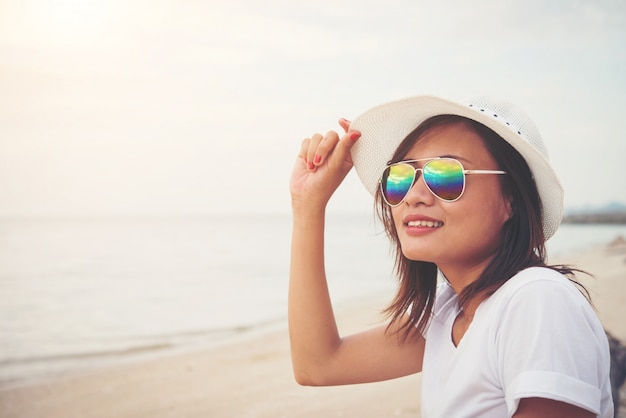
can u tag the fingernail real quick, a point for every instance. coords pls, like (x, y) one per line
(317, 159)
(355, 135)
(311, 166)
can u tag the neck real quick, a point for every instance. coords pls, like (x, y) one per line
(461, 277)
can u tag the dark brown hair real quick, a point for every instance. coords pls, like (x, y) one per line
(522, 242)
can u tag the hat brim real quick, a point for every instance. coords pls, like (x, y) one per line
(384, 127)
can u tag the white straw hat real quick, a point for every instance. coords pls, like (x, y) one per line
(384, 127)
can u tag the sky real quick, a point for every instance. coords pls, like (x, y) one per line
(188, 107)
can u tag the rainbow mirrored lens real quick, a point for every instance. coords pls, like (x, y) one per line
(444, 177)
(396, 182)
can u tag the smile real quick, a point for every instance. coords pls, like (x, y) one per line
(425, 224)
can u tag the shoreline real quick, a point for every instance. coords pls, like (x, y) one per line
(250, 376)
(51, 369)
(64, 366)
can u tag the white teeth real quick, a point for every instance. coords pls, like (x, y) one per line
(428, 224)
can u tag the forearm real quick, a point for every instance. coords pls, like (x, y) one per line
(312, 327)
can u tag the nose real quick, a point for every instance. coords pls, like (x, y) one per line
(419, 193)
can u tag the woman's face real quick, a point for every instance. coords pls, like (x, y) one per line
(457, 235)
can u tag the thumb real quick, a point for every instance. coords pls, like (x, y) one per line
(345, 124)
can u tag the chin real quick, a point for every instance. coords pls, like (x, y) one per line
(415, 255)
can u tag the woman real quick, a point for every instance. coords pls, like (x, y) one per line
(464, 190)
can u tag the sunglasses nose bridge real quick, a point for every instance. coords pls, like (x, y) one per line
(419, 191)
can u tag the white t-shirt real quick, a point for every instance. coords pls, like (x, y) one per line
(537, 336)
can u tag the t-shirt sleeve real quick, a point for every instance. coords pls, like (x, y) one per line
(551, 345)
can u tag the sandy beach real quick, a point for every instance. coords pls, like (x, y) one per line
(252, 377)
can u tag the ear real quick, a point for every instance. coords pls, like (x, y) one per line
(508, 202)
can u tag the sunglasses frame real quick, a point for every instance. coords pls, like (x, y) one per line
(415, 177)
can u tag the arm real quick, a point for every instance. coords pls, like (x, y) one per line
(319, 355)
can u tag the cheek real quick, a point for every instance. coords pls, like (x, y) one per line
(484, 213)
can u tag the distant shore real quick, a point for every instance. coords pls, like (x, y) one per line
(595, 218)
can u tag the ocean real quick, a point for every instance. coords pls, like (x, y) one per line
(81, 293)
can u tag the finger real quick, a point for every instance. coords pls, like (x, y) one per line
(345, 124)
(304, 148)
(325, 147)
(346, 143)
(312, 150)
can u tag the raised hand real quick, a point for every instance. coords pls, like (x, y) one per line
(322, 164)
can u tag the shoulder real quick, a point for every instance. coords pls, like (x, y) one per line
(542, 297)
(537, 284)
(542, 306)
(548, 341)
(536, 275)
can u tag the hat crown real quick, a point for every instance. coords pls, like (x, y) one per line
(514, 118)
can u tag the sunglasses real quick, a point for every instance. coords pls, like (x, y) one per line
(444, 177)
